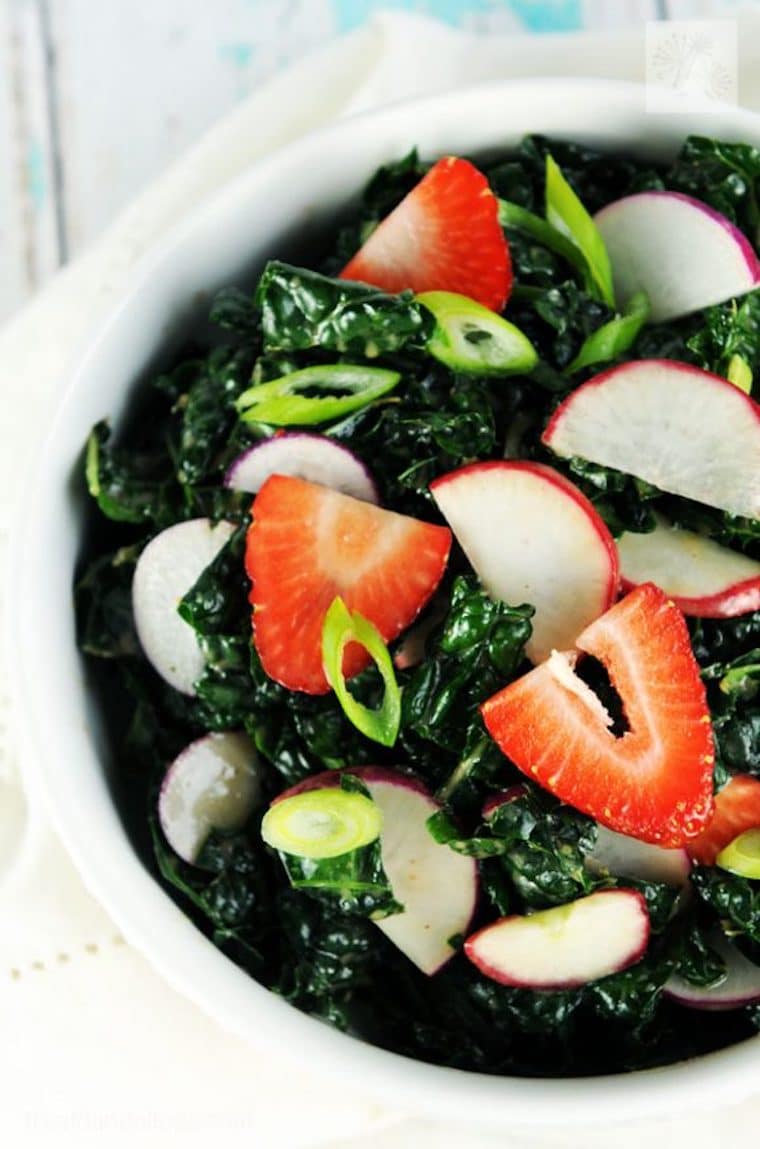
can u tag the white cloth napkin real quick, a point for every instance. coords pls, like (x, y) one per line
(94, 1047)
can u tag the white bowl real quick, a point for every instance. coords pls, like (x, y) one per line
(252, 220)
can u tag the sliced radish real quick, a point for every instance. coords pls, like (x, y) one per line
(166, 570)
(681, 252)
(532, 537)
(678, 427)
(740, 986)
(703, 578)
(567, 946)
(626, 857)
(212, 785)
(437, 887)
(503, 798)
(411, 648)
(302, 456)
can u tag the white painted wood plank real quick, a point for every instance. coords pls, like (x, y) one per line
(29, 237)
(139, 82)
(703, 9)
(13, 279)
(601, 15)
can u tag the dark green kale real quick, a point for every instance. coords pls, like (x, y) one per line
(734, 899)
(302, 310)
(477, 649)
(103, 595)
(729, 329)
(228, 890)
(354, 883)
(316, 947)
(541, 845)
(724, 175)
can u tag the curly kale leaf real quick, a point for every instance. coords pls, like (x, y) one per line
(724, 175)
(731, 328)
(479, 645)
(206, 408)
(734, 899)
(354, 883)
(230, 888)
(540, 844)
(103, 597)
(134, 485)
(301, 310)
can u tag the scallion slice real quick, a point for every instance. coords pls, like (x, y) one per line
(473, 339)
(347, 388)
(322, 823)
(614, 338)
(742, 856)
(566, 213)
(740, 373)
(341, 627)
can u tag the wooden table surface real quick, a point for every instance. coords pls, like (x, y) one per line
(97, 96)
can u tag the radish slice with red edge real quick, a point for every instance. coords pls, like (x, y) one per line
(533, 537)
(703, 578)
(673, 425)
(626, 857)
(212, 785)
(437, 887)
(503, 798)
(739, 987)
(567, 946)
(166, 570)
(302, 456)
(682, 253)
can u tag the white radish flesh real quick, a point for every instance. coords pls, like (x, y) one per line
(740, 986)
(436, 886)
(626, 857)
(675, 426)
(212, 785)
(302, 456)
(567, 946)
(681, 252)
(703, 578)
(166, 570)
(532, 537)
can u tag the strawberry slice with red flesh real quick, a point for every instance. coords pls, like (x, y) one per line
(737, 808)
(443, 236)
(306, 545)
(653, 783)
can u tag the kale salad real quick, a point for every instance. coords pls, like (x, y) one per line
(422, 599)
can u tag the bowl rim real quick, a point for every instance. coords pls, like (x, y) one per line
(142, 909)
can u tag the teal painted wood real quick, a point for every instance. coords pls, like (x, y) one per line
(534, 15)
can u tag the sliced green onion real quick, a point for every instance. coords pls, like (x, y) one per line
(566, 213)
(612, 339)
(740, 373)
(280, 404)
(742, 856)
(743, 680)
(322, 823)
(342, 626)
(474, 340)
(519, 218)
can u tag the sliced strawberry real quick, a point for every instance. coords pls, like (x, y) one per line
(306, 545)
(737, 808)
(443, 236)
(655, 782)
